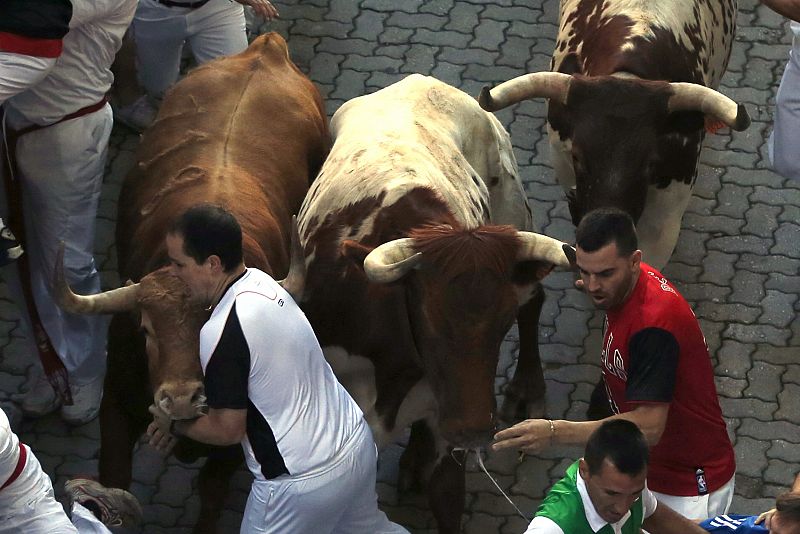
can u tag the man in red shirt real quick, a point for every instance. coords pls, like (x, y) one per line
(656, 371)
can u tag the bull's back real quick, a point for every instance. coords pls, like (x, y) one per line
(679, 40)
(247, 131)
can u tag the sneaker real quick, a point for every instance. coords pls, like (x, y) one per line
(10, 249)
(85, 402)
(138, 115)
(41, 399)
(113, 506)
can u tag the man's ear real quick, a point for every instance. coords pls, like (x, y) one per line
(636, 258)
(583, 469)
(355, 251)
(215, 263)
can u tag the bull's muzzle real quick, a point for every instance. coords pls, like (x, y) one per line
(184, 400)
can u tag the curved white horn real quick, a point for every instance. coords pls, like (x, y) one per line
(113, 301)
(542, 248)
(553, 85)
(295, 280)
(391, 261)
(695, 97)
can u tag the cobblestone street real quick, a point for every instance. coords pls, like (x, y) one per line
(737, 261)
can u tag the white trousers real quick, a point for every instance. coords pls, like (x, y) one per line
(217, 29)
(701, 506)
(784, 141)
(337, 499)
(61, 171)
(35, 509)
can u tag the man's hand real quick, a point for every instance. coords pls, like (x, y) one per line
(263, 8)
(530, 436)
(766, 518)
(159, 431)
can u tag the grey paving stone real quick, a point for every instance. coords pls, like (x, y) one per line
(420, 58)
(750, 458)
(490, 35)
(787, 239)
(784, 450)
(369, 25)
(734, 359)
(792, 373)
(769, 264)
(789, 401)
(727, 312)
(780, 472)
(395, 36)
(464, 18)
(770, 430)
(778, 308)
(416, 20)
(375, 63)
(511, 14)
(729, 387)
(440, 38)
(757, 334)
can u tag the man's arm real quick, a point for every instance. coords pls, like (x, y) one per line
(219, 427)
(667, 521)
(788, 8)
(534, 435)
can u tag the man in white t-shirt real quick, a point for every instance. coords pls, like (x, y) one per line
(269, 388)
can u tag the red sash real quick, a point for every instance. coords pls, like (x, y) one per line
(23, 456)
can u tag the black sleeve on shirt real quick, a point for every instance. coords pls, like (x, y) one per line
(228, 368)
(653, 366)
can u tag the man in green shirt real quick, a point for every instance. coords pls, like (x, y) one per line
(605, 492)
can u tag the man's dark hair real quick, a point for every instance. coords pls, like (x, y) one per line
(622, 443)
(210, 229)
(788, 506)
(602, 226)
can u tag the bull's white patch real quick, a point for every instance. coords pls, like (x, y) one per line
(660, 223)
(357, 375)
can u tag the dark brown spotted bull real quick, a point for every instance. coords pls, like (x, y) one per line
(248, 132)
(620, 134)
(419, 258)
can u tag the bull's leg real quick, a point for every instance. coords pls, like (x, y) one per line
(213, 483)
(524, 395)
(446, 492)
(123, 410)
(417, 459)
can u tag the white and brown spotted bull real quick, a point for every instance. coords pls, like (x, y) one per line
(620, 133)
(419, 258)
(248, 132)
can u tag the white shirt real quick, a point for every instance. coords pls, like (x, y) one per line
(81, 75)
(544, 525)
(259, 352)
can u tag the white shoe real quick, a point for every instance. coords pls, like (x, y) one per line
(138, 115)
(41, 399)
(85, 402)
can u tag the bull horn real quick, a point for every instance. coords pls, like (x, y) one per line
(113, 301)
(542, 248)
(391, 261)
(552, 85)
(295, 280)
(695, 97)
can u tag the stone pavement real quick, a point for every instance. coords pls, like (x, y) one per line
(738, 260)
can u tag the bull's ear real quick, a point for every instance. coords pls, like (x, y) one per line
(355, 251)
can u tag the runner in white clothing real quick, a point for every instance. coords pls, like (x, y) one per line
(27, 503)
(269, 387)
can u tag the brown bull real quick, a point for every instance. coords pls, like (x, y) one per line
(248, 132)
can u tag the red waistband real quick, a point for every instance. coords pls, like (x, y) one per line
(18, 44)
(23, 456)
(80, 113)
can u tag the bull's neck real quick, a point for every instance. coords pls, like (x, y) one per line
(222, 285)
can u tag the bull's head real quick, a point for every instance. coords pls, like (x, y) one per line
(461, 289)
(621, 134)
(171, 325)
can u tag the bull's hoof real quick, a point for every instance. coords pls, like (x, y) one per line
(517, 408)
